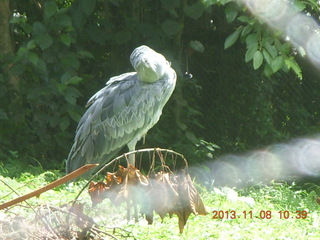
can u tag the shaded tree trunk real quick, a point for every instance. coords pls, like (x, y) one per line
(6, 46)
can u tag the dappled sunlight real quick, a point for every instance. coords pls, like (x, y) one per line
(299, 28)
(286, 161)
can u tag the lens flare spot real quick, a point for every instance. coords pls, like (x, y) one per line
(308, 158)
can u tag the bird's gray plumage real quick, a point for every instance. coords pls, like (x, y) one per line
(124, 110)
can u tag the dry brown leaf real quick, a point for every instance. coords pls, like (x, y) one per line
(189, 200)
(97, 192)
(163, 193)
(163, 196)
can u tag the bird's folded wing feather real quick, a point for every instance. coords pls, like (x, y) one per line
(116, 114)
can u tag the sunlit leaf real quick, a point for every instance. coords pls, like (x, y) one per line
(231, 12)
(299, 5)
(246, 19)
(232, 38)
(251, 51)
(267, 56)
(292, 64)
(277, 63)
(246, 30)
(271, 49)
(252, 39)
(257, 60)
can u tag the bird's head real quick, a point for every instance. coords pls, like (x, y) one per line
(150, 65)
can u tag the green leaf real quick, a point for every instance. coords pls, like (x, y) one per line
(292, 64)
(62, 21)
(33, 58)
(271, 49)
(257, 60)
(38, 28)
(64, 124)
(75, 116)
(191, 137)
(50, 8)
(74, 80)
(66, 39)
(299, 5)
(70, 98)
(268, 70)
(252, 38)
(277, 63)
(251, 51)
(285, 48)
(61, 87)
(31, 44)
(42, 67)
(88, 6)
(85, 54)
(17, 69)
(246, 19)
(232, 38)
(44, 41)
(231, 12)
(71, 94)
(267, 56)
(170, 27)
(197, 46)
(246, 30)
(195, 10)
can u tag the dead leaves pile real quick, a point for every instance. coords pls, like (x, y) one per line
(162, 192)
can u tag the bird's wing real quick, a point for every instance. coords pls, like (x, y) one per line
(121, 111)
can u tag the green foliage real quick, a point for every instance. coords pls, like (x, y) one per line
(263, 45)
(66, 50)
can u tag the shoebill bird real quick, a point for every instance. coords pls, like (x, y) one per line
(124, 110)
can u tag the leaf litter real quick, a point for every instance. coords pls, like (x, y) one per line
(164, 192)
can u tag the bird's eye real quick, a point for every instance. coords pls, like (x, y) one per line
(168, 63)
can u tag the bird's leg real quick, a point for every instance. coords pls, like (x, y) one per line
(132, 157)
(128, 211)
(135, 209)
